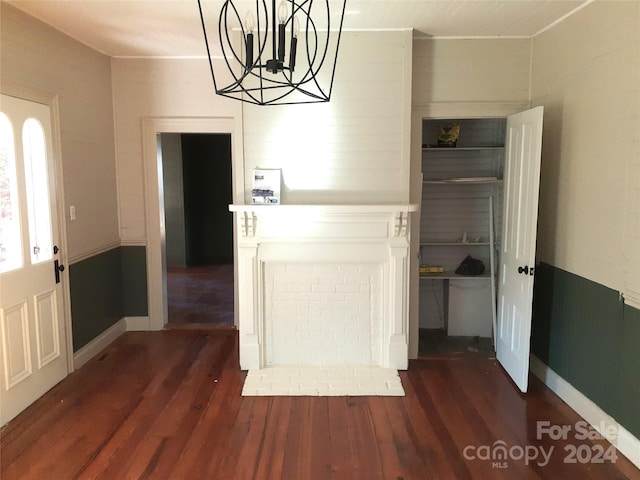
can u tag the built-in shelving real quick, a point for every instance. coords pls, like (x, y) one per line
(461, 191)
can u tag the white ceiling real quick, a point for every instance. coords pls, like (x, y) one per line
(161, 28)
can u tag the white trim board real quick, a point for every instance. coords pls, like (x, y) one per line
(625, 442)
(93, 252)
(102, 341)
(151, 127)
(137, 324)
(95, 346)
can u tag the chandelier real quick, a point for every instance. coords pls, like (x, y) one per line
(276, 56)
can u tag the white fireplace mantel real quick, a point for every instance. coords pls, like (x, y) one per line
(352, 238)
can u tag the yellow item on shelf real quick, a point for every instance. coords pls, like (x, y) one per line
(430, 270)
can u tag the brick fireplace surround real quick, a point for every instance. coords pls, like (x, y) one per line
(322, 286)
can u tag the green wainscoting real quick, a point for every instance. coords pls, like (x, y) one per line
(105, 288)
(586, 334)
(134, 281)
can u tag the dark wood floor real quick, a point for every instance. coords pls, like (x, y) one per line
(200, 296)
(168, 405)
(434, 341)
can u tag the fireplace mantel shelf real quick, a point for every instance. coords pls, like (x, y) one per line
(328, 209)
(286, 220)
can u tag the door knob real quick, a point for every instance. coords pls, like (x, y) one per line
(524, 269)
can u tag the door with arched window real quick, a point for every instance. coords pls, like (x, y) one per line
(33, 356)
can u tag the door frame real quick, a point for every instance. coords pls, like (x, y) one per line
(52, 101)
(428, 111)
(154, 204)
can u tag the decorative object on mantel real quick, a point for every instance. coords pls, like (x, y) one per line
(266, 186)
(323, 381)
(277, 56)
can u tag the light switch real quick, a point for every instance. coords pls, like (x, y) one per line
(72, 212)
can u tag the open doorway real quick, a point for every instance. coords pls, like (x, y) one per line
(197, 189)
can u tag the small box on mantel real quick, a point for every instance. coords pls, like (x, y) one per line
(266, 186)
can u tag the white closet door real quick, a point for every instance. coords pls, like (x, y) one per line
(523, 148)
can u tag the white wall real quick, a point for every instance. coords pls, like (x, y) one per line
(155, 88)
(586, 73)
(36, 57)
(354, 149)
(470, 70)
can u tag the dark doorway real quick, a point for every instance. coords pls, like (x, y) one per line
(198, 229)
(206, 163)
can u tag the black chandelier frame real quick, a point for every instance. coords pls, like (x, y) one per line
(273, 81)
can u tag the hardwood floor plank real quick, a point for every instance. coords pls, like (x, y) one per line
(454, 412)
(78, 419)
(55, 413)
(207, 445)
(185, 409)
(390, 462)
(252, 446)
(341, 452)
(367, 465)
(297, 458)
(493, 425)
(200, 296)
(404, 438)
(235, 442)
(422, 434)
(451, 450)
(321, 461)
(272, 450)
(127, 445)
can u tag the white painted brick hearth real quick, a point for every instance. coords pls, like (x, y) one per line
(323, 381)
(322, 314)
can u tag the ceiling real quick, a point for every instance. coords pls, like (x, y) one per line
(171, 28)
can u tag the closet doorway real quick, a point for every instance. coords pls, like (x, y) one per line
(196, 192)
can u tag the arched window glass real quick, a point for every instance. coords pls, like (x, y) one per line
(10, 239)
(37, 186)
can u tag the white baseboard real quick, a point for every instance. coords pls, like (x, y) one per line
(96, 345)
(624, 441)
(138, 324)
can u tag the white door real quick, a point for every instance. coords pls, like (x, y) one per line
(515, 290)
(33, 351)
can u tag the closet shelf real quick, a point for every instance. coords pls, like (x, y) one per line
(449, 275)
(458, 149)
(457, 244)
(464, 181)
